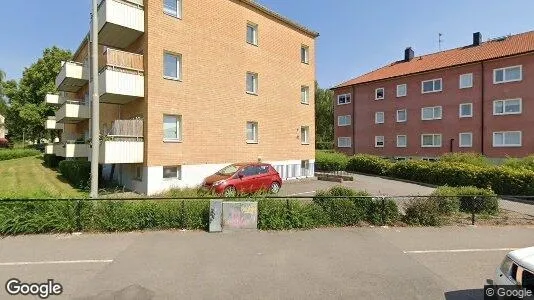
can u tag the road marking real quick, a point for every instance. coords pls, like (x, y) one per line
(458, 250)
(57, 262)
(301, 193)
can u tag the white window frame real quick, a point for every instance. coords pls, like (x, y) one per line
(380, 137)
(305, 94)
(344, 117)
(255, 83)
(383, 117)
(178, 173)
(470, 139)
(255, 132)
(504, 113)
(306, 50)
(460, 110)
(433, 113)
(179, 124)
(433, 86)
(346, 96)
(305, 135)
(405, 141)
(470, 83)
(434, 135)
(504, 139)
(255, 35)
(405, 115)
(178, 13)
(178, 66)
(346, 138)
(405, 90)
(383, 93)
(504, 74)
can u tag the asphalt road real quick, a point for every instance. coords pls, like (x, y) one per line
(351, 263)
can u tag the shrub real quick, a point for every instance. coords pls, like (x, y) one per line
(77, 172)
(415, 170)
(520, 163)
(279, 214)
(331, 161)
(369, 164)
(7, 154)
(423, 212)
(474, 159)
(51, 160)
(447, 201)
(382, 212)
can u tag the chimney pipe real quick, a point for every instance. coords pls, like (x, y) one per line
(408, 54)
(477, 38)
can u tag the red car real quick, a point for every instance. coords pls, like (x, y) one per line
(244, 178)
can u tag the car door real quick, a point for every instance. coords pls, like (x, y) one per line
(245, 180)
(264, 178)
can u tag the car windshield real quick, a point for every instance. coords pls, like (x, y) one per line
(229, 170)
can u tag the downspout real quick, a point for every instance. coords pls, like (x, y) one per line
(482, 133)
(353, 118)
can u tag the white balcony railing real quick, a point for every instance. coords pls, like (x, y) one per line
(49, 149)
(121, 151)
(121, 77)
(71, 150)
(72, 76)
(72, 112)
(120, 22)
(51, 124)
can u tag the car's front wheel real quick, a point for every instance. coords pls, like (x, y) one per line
(230, 191)
(275, 187)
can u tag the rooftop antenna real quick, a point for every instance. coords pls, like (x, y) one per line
(440, 40)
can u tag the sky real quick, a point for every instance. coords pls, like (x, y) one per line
(356, 36)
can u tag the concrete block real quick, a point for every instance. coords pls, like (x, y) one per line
(240, 215)
(216, 211)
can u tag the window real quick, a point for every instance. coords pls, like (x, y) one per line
(430, 140)
(466, 81)
(466, 140)
(344, 142)
(172, 66)
(509, 74)
(431, 86)
(252, 34)
(172, 128)
(252, 83)
(402, 115)
(344, 120)
(305, 54)
(507, 139)
(252, 132)
(402, 141)
(305, 94)
(343, 99)
(507, 107)
(431, 113)
(379, 117)
(173, 172)
(402, 90)
(379, 141)
(379, 94)
(139, 173)
(466, 110)
(305, 135)
(173, 8)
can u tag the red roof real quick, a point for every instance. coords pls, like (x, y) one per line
(511, 45)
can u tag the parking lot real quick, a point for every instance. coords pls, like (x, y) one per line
(351, 263)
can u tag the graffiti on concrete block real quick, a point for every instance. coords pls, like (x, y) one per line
(240, 215)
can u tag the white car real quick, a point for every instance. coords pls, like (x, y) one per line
(516, 269)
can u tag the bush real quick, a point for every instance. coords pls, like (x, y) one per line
(51, 160)
(447, 201)
(474, 159)
(7, 154)
(520, 163)
(369, 164)
(471, 199)
(77, 172)
(280, 214)
(423, 212)
(330, 161)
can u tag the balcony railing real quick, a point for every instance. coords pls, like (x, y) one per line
(51, 124)
(121, 77)
(123, 143)
(72, 76)
(73, 112)
(49, 149)
(120, 22)
(71, 149)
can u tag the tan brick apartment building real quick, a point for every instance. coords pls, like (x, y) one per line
(188, 87)
(475, 98)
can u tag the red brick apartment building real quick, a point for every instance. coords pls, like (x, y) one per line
(475, 98)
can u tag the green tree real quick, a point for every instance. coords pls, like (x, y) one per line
(3, 105)
(27, 110)
(324, 118)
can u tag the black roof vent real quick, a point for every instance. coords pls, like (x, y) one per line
(408, 54)
(477, 38)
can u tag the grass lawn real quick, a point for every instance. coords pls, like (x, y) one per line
(28, 178)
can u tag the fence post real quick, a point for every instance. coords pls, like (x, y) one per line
(473, 210)
(383, 210)
(182, 214)
(78, 216)
(288, 213)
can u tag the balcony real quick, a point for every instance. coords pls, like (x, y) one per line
(71, 150)
(51, 124)
(121, 77)
(72, 77)
(72, 112)
(59, 99)
(49, 149)
(120, 22)
(123, 144)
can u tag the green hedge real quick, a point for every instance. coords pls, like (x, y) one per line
(7, 154)
(422, 212)
(369, 164)
(331, 161)
(77, 172)
(51, 160)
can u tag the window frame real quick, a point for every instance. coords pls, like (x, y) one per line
(504, 139)
(349, 117)
(504, 101)
(383, 93)
(179, 130)
(460, 145)
(178, 172)
(433, 113)
(405, 115)
(405, 141)
(460, 110)
(255, 132)
(179, 8)
(255, 84)
(504, 74)
(434, 135)
(405, 90)
(179, 64)
(347, 138)
(433, 86)
(306, 90)
(377, 137)
(305, 49)
(471, 81)
(344, 95)
(255, 35)
(305, 130)
(383, 117)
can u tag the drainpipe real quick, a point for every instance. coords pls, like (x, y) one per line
(451, 146)
(482, 133)
(353, 118)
